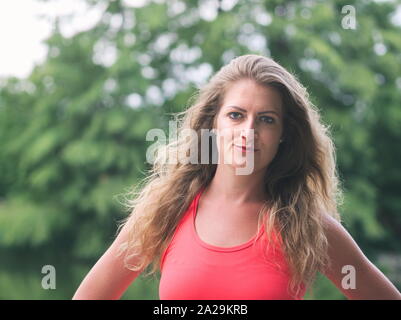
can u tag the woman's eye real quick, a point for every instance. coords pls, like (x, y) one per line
(267, 119)
(235, 115)
(238, 115)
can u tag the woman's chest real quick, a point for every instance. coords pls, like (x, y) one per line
(226, 226)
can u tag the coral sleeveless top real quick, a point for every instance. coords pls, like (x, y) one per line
(192, 269)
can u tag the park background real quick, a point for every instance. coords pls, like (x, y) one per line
(72, 131)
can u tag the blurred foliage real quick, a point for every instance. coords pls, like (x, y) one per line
(72, 134)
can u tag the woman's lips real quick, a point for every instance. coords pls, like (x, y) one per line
(245, 149)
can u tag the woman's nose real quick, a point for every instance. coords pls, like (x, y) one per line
(248, 134)
(249, 130)
(249, 123)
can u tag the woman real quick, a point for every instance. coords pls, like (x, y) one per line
(218, 234)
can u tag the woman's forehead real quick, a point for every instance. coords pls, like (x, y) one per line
(249, 95)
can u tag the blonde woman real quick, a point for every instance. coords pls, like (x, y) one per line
(217, 234)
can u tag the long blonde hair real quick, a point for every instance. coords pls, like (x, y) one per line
(301, 182)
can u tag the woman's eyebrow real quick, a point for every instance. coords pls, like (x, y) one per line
(243, 110)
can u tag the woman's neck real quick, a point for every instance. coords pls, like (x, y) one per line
(226, 185)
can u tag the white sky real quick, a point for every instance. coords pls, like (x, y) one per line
(21, 31)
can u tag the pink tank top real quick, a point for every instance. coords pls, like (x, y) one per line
(192, 269)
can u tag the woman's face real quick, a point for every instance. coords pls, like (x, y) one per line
(250, 120)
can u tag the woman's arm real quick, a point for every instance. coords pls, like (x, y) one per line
(370, 283)
(109, 278)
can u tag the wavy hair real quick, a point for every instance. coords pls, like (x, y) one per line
(301, 182)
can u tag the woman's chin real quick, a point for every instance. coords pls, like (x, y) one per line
(243, 165)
